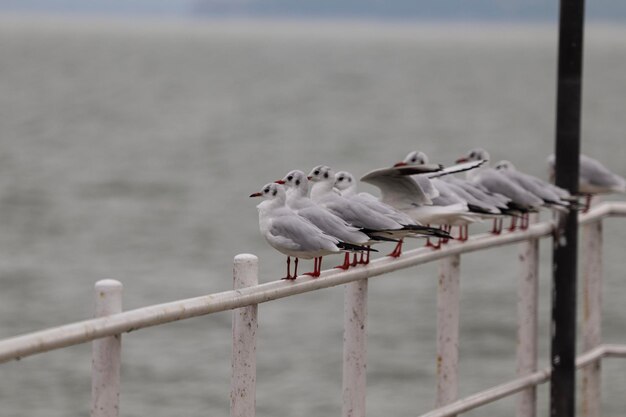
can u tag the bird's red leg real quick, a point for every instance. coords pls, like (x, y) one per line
(312, 274)
(525, 221)
(513, 223)
(346, 262)
(494, 229)
(288, 267)
(587, 203)
(445, 228)
(397, 251)
(461, 233)
(317, 266)
(367, 259)
(354, 260)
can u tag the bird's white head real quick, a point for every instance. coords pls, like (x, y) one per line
(414, 158)
(505, 165)
(344, 180)
(322, 173)
(477, 154)
(295, 179)
(271, 191)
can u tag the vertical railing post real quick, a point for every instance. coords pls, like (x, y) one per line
(527, 302)
(448, 305)
(355, 349)
(592, 315)
(243, 382)
(567, 169)
(106, 354)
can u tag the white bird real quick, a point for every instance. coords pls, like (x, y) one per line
(409, 194)
(479, 196)
(346, 184)
(297, 185)
(292, 234)
(594, 178)
(355, 213)
(449, 208)
(553, 196)
(496, 182)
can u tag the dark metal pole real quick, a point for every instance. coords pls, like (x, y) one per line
(569, 86)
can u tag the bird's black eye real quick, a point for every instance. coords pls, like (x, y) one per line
(325, 174)
(414, 159)
(340, 179)
(473, 154)
(316, 172)
(267, 190)
(274, 192)
(349, 179)
(289, 178)
(297, 182)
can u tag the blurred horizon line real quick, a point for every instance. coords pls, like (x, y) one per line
(397, 11)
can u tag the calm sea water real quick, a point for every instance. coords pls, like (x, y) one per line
(129, 151)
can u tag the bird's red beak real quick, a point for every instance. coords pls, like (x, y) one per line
(400, 164)
(256, 195)
(279, 182)
(463, 159)
(309, 178)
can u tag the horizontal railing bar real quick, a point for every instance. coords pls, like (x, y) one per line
(605, 209)
(87, 330)
(508, 388)
(490, 395)
(615, 351)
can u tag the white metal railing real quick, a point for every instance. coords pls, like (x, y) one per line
(111, 322)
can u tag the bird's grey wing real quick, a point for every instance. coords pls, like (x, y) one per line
(445, 191)
(396, 190)
(325, 220)
(495, 182)
(480, 192)
(464, 194)
(454, 169)
(360, 215)
(529, 184)
(298, 235)
(426, 185)
(594, 173)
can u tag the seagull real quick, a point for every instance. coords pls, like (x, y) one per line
(356, 213)
(496, 182)
(481, 197)
(413, 194)
(292, 234)
(457, 211)
(552, 196)
(297, 185)
(346, 184)
(594, 178)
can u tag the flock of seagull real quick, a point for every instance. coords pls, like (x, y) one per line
(322, 213)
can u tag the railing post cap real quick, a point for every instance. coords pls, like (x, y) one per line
(108, 285)
(246, 258)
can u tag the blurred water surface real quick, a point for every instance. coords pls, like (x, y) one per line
(129, 151)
